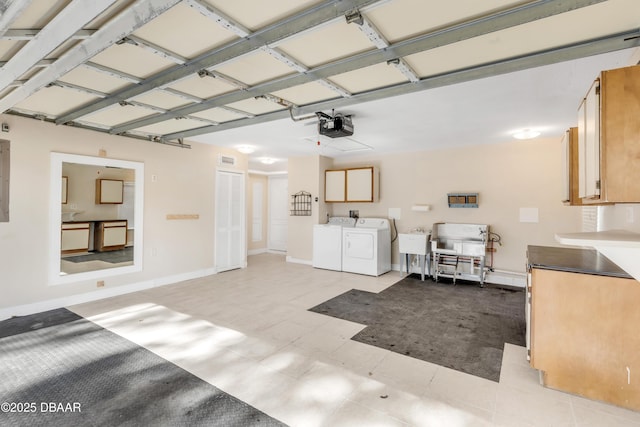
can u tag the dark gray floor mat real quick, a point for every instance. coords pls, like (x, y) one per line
(58, 357)
(114, 257)
(463, 327)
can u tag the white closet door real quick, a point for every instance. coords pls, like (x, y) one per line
(278, 213)
(230, 221)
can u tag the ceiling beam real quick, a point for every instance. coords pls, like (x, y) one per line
(219, 17)
(10, 10)
(462, 31)
(233, 26)
(155, 49)
(28, 34)
(324, 12)
(72, 18)
(546, 57)
(120, 26)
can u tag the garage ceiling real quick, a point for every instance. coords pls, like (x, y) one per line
(171, 71)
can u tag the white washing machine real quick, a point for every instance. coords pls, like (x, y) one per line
(327, 242)
(366, 249)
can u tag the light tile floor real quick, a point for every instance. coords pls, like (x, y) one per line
(248, 332)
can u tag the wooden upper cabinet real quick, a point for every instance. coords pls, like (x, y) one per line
(335, 189)
(109, 191)
(351, 185)
(362, 185)
(609, 138)
(569, 145)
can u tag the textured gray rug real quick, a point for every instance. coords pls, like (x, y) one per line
(463, 327)
(59, 369)
(114, 257)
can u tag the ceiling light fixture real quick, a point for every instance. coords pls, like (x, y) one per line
(268, 161)
(246, 149)
(526, 134)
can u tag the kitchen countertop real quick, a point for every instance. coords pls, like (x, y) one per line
(574, 260)
(76, 221)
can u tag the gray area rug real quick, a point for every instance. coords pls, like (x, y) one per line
(59, 369)
(462, 326)
(115, 257)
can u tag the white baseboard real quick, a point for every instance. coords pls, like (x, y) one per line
(257, 251)
(508, 278)
(298, 261)
(37, 307)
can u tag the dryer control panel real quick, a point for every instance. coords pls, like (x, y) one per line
(377, 223)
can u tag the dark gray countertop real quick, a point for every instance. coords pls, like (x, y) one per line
(574, 260)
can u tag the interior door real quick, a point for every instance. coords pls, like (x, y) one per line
(230, 252)
(278, 213)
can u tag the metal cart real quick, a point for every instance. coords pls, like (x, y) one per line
(459, 250)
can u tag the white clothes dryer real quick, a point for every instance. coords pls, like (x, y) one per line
(366, 249)
(327, 243)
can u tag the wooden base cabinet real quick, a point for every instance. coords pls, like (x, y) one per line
(110, 235)
(584, 335)
(75, 237)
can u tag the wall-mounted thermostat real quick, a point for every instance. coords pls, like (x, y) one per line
(5, 127)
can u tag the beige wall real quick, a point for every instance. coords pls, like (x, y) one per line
(262, 180)
(507, 177)
(623, 216)
(184, 185)
(305, 174)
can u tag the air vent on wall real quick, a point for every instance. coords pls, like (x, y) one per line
(224, 160)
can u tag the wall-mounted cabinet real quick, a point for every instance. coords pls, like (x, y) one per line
(609, 138)
(109, 191)
(335, 189)
(569, 147)
(352, 185)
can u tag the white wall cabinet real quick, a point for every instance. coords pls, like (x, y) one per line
(351, 185)
(361, 185)
(609, 138)
(335, 189)
(109, 191)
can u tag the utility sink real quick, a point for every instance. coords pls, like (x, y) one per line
(413, 243)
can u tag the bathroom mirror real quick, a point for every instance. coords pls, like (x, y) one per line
(88, 239)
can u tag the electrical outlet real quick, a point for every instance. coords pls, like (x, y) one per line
(100, 284)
